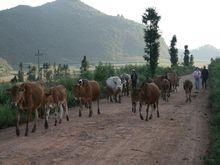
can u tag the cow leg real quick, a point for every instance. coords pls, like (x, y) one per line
(151, 114)
(190, 96)
(140, 106)
(35, 121)
(134, 107)
(98, 107)
(27, 121)
(110, 98)
(55, 113)
(156, 106)
(147, 109)
(61, 113)
(46, 118)
(119, 98)
(80, 109)
(65, 107)
(17, 123)
(116, 99)
(90, 109)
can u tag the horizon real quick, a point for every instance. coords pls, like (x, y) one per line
(193, 37)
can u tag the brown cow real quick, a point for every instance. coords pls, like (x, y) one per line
(165, 89)
(87, 91)
(188, 85)
(174, 79)
(135, 98)
(56, 98)
(158, 80)
(27, 97)
(149, 94)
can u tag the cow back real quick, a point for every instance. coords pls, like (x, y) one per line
(33, 95)
(58, 93)
(149, 93)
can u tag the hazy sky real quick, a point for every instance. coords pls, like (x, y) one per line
(195, 22)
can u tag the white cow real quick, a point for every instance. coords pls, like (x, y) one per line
(114, 88)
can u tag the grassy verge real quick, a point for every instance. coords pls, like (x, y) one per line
(214, 156)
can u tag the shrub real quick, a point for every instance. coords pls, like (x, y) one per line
(214, 156)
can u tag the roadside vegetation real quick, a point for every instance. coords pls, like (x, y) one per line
(214, 155)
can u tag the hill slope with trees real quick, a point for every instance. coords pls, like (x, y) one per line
(65, 31)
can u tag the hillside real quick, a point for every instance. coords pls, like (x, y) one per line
(65, 30)
(205, 52)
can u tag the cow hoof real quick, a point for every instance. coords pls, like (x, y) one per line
(141, 117)
(151, 116)
(99, 112)
(146, 119)
(17, 132)
(158, 115)
(55, 124)
(46, 125)
(60, 121)
(80, 114)
(34, 129)
(67, 118)
(90, 114)
(26, 134)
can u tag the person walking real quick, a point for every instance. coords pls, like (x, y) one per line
(205, 76)
(197, 76)
(134, 78)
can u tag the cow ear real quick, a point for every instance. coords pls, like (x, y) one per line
(84, 81)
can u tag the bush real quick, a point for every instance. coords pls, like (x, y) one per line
(7, 116)
(214, 156)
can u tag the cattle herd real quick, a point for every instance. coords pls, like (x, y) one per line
(30, 96)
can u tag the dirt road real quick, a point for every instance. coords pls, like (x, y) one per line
(117, 136)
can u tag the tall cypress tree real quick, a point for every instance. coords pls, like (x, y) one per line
(173, 52)
(186, 56)
(151, 38)
(191, 60)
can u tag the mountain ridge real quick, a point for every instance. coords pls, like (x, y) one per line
(66, 30)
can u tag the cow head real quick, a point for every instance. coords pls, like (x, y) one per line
(78, 91)
(48, 100)
(17, 93)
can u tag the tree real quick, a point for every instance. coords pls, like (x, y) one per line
(186, 56)
(173, 52)
(151, 38)
(84, 64)
(191, 60)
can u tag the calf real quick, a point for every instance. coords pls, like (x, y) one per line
(135, 98)
(87, 91)
(188, 85)
(126, 81)
(165, 89)
(56, 98)
(149, 94)
(174, 79)
(27, 97)
(158, 79)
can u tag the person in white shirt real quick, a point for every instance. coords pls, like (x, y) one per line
(197, 76)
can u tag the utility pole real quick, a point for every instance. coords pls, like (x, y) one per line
(38, 59)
